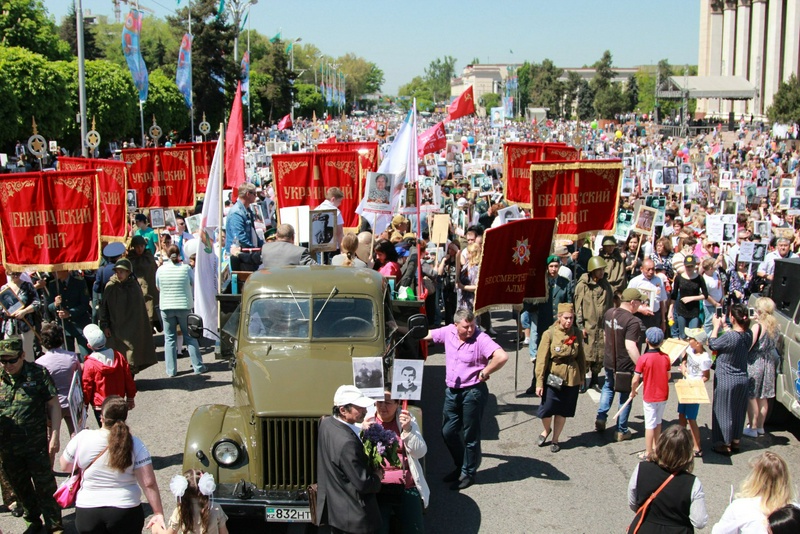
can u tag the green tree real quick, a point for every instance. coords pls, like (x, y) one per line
(37, 89)
(585, 108)
(417, 88)
(362, 76)
(610, 101)
(25, 23)
(785, 106)
(68, 32)
(604, 73)
(275, 87)
(632, 94)
(524, 81)
(545, 90)
(438, 76)
(571, 88)
(490, 100)
(310, 100)
(166, 103)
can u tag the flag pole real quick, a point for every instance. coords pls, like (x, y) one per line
(220, 205)
(415, 170)
(191, 96)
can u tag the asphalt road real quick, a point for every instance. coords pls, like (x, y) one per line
(520, 487)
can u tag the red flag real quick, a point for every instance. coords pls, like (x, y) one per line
(234, 144)
(431, 140)
(285, 123)
(462, 106)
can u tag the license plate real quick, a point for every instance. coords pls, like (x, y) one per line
(288, 514)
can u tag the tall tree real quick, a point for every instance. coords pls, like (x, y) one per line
(604, 72)
(632, 94)
(25, 23)
(610, 101)
(438, 76)
(545, 89)
(571, 88)
(785, 106)
(417, 88)
(524, 82)
(68, 31)
(585, 109)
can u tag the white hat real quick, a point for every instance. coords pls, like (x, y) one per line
(461, 202)
(351, 395)
(95, 337)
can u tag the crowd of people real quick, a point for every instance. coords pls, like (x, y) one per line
(611, 302)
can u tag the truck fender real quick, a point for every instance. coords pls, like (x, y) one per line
(206, 423)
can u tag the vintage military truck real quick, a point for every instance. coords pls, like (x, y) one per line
(293, 336)
(785, 292)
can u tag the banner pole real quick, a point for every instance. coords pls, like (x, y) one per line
(141, 120)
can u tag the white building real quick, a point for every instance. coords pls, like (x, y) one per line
(758, 40)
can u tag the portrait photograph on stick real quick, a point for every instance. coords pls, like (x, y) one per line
(368, 376)
(323, 230)
(407, 379)
(157, 218)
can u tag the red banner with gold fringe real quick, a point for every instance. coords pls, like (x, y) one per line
(203, 154)
(513, 263)
(50, 221)
(341, 169)
(162, 177)
(294, 180)
(517, 160)
(582, 195)
(112, 179)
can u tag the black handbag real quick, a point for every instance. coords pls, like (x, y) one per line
(554, 381)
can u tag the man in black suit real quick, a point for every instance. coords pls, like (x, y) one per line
(283, 252)
(347, 483)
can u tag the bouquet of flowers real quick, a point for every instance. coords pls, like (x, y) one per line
(380, 445)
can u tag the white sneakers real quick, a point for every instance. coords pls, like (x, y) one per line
(753, 432)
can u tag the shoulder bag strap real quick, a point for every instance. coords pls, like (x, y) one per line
(614, 335)
(755, 340)
(643, 508)
(93, 461)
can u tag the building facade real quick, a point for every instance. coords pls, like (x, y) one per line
(756, 39)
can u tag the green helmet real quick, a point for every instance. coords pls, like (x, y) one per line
(596, 262)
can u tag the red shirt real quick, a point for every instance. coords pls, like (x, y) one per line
(654, 366)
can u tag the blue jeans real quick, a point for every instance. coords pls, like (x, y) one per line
(461, 425)
(684, 322)
(171, 320)
(607, 399)
(528, 319)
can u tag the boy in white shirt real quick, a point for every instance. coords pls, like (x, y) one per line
(696, 365)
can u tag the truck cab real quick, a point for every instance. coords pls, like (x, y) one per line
(291, 341)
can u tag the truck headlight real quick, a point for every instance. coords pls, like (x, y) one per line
(226, 452)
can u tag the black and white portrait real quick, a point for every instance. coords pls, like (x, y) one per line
(157, 217)
(9, 301)
(368, 375)
(130, 198)
(323, 230)
(670, 175)
(407, 379)
(759, 252)
(761, 229)
(169, 219)
(729, 233)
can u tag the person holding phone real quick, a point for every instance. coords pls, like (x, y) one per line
(688, 291)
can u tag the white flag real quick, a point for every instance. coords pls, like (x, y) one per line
(206, 267)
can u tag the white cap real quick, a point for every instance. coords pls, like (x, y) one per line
(351, 395)
(95, 337)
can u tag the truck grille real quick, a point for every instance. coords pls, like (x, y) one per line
(290, 452)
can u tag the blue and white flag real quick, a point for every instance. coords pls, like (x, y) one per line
(206, 267)
(246, 78)
(133, 54)
(183, 75)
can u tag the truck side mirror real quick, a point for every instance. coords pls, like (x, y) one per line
(195, 325)
(418, 326)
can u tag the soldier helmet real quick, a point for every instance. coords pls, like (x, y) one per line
(596, 262)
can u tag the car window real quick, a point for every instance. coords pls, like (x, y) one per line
(344, 318)
(278, 317)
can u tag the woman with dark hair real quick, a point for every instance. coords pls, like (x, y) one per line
(386, 259)
(680, 506)
(116, 469)
(61, 364)
(785, 520)
(21, 322)
(175, 283)
(729, 407)
(662, 256)
(633, 261)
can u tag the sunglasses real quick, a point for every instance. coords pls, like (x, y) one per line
(11, 361)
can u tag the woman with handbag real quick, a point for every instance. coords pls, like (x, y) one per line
(729, 406)
(560, 371)
(116, 468)
(404, 491)
(665, 495)
(762, 365)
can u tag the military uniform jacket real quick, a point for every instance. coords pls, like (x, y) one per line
(592, 300)
(22, 403)
(561, 353)
(615, 270)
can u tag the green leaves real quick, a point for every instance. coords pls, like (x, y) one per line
(785, 106)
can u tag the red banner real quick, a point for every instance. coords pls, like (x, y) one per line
(112, 178)
(462, 106)
(162, 177)
(431, 140)
(50, 220)
(582, 195)
(203, 154)
(340, 169)
(514, 263)
(294, 179)
(517, 160)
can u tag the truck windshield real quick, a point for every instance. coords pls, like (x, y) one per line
(285, 318)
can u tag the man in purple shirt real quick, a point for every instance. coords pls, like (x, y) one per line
(471, 356)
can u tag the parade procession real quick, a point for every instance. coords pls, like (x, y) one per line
(255, 284)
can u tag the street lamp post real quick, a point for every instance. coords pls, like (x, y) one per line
(291, 69)
(81, 77)
(237, 8)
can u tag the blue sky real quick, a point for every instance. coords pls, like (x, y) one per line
(402, 38)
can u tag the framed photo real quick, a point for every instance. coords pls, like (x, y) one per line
(9, 301)
(169, 219)
(657, 177)
(407, 379)
(759, 252)
(645, 220)
(729, 232)
(670, 175)
(729, 207)
(323, 231)
(130, 199)
(624, 224)
(157, 217)
(368, 376)
(627, 187)
(193, 223)
(77, 409)
(379, 187)
(761, 229)
(794, 206)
